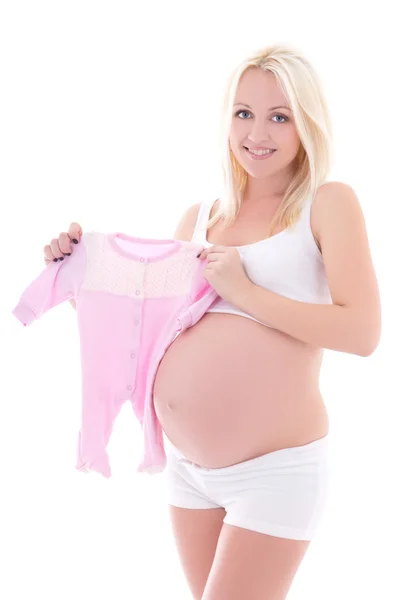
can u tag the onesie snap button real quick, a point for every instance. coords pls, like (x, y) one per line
(137, 292)
(129, 387)
(133, 355)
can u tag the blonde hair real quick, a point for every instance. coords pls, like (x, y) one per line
(301, 86)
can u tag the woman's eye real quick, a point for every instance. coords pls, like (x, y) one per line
(280, 116)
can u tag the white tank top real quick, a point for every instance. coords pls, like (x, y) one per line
(288, 263)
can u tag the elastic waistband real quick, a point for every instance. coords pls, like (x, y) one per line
(320, 446)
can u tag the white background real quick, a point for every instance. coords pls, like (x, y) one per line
(109, 116)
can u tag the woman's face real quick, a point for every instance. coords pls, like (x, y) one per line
(261, 124)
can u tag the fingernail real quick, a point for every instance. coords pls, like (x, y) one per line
(61, 258)
(67, 253)
(75, 241)
(198, 254)
(55, 259)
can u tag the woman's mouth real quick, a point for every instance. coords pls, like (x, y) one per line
(259, 155)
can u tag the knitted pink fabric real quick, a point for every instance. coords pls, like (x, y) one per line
(133, 297)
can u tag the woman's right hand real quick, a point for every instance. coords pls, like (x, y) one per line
(63, 245)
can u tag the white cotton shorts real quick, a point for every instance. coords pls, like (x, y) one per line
(282, 493)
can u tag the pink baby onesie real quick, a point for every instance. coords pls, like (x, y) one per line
(133, 297)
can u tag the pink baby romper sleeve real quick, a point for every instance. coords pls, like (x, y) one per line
(133, 297)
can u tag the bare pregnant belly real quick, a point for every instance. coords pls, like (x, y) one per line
(229, 389)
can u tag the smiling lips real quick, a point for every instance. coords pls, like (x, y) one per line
(259, 148)
(260, 153)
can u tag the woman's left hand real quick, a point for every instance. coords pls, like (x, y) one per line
(225, 273)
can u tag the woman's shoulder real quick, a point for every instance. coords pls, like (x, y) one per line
(187, 223)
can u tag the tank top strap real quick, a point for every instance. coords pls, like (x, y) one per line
(304, 220)
(304, 224)
(200, 230)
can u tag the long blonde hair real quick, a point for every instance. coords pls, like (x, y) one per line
(302, 87)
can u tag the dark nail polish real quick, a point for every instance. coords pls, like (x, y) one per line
(75, 241)
(67, 253)
(55, 259)
(61, 258)
(198, 255)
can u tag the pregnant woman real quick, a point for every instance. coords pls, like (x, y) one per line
(237, 394)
